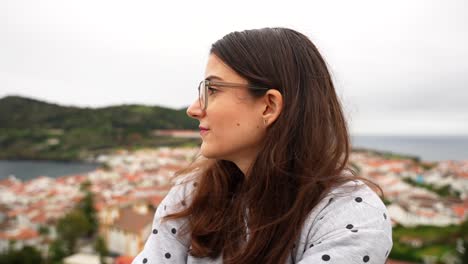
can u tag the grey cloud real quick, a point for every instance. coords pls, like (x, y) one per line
(391, 61)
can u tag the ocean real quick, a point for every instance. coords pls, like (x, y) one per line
(29, 169)
(427, 148)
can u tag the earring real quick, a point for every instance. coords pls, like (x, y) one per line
(265, 121)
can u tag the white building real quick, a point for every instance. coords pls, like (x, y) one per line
(128, 233)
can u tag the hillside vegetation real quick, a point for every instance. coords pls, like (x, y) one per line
(32, 129)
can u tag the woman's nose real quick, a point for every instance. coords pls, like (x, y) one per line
(195, 111)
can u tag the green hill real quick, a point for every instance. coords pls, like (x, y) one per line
(32, 129)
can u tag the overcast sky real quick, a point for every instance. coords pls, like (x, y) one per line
(400, 67)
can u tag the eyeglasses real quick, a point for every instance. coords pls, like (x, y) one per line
(206, 84)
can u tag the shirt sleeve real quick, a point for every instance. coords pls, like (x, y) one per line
(352, 228)
(167, 242)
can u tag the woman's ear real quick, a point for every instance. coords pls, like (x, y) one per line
(273, 105)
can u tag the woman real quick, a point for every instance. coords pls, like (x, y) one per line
(273, 183)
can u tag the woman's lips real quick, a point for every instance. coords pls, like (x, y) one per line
(203, 130)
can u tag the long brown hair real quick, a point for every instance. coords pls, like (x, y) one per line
(257, 218)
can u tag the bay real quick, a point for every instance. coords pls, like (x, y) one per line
(29, 169)
(427, 148)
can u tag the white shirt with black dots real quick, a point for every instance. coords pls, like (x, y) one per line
(350, 225)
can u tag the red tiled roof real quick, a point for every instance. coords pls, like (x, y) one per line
(40, 218)
(8, 183)
(132, 177)
(122, 199)
(171, 167)
(15, 212)
(27, 233)
(4, 236)
(132, 221)
(24, 234)
(156, 200)
(123, 260)
(78, 178)
(149, 188)
(396, 170)
(100, 206)
(460, 210)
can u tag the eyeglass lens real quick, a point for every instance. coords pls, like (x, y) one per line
(202, 94)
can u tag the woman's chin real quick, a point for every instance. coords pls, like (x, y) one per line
(211, 153)
(207, 153)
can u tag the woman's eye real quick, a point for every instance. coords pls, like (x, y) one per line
(211, 90)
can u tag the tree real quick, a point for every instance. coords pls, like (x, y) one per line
(27, 255)
(464, 235)
(84, 187)
(30, 255)
(71, 227)
(44, 230)
(464, 229)
(101, 247)
(87, 206)
(465, 254)
(11, 245)
(57, 252)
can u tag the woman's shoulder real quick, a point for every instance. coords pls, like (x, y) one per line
(186, 182)
(355, 192)
(351, 200)
(348, 213)
(181, 191)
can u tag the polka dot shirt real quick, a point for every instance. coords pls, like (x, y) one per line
(350, 225)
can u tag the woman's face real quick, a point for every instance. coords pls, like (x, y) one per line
(231, 127)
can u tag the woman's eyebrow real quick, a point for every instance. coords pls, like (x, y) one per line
(211, 77)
